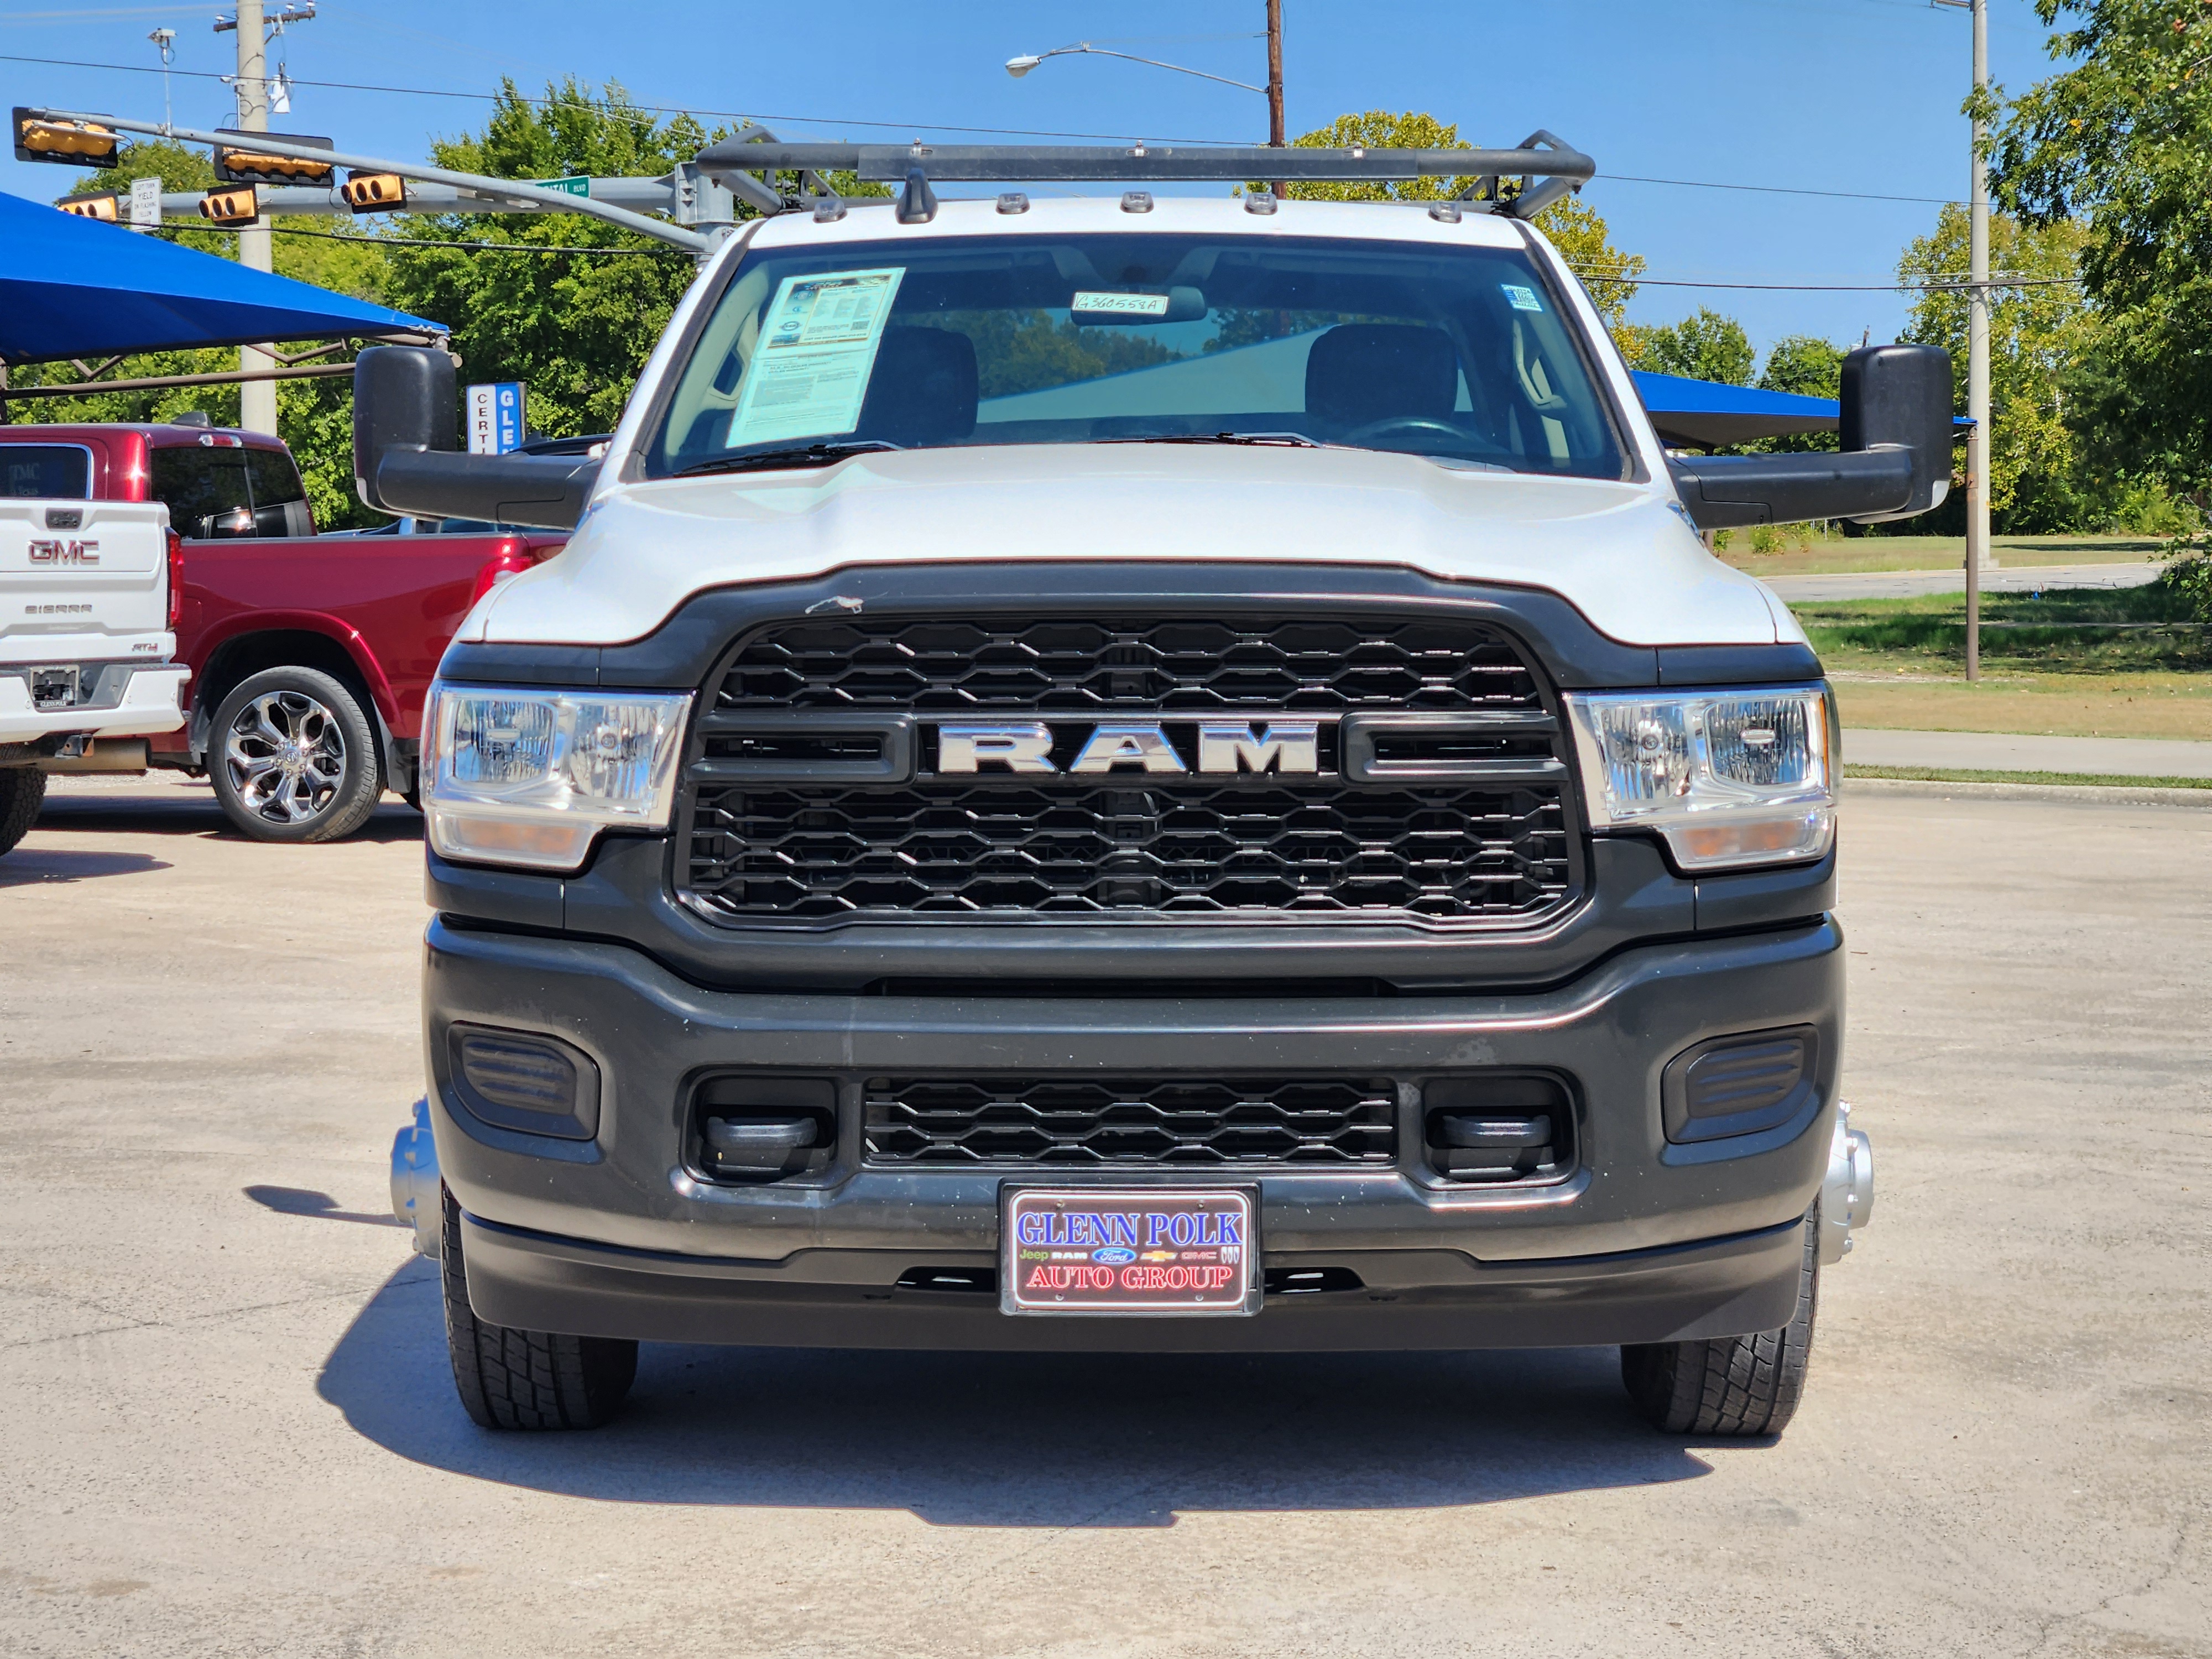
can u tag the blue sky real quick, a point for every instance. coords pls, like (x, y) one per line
(1841, 96)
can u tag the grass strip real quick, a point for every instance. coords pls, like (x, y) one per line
(2088, 780)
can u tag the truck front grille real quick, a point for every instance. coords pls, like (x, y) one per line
(934, 847)
(937, 665)
(815, 792)
(1130, 1120)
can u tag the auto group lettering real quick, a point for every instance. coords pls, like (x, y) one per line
(1085, 1229)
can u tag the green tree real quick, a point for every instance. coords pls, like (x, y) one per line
(1705, 347)
(576, 321)
(1575, 228)
(2039, 332)
(2121, 141)
(1805, 365)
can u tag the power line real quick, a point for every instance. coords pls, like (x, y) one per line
(643, 109)
(932, 126)
(1778, 190)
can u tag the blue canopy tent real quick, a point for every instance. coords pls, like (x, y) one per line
(77, 288)
(1709, 415)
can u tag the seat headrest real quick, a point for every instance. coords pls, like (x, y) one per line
(1359, 372)
(923, 389)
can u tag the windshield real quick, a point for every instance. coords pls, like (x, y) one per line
(1458, 353)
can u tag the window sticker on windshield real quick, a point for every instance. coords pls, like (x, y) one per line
(1521, 299)
(1121, 305)
(809, 374)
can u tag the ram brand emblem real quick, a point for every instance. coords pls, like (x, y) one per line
(61, 552)
(1219, 747)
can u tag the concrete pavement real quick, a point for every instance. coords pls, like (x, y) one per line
(230, 1430)
(1915, 583)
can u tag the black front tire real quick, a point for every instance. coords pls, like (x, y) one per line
(292, 756)
(511, 1379)
(1730, 1385)
(21, 789)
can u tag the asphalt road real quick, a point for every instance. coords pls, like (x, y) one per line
(1849, 585)
(229, 1428)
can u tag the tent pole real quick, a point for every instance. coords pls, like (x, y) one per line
(236, 376)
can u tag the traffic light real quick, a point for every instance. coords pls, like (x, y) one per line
(72, 143)
(375, 193)
(241, 206)
(102, 206)
(240, 163)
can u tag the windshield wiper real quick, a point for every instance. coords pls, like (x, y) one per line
(1293, 440)
(810, 455)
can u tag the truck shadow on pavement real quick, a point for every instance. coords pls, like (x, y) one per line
(1026, 1440)
(177, 811)
(30, 864)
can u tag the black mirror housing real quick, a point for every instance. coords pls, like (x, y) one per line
(1895, 462)
(1900, 396)
(405, 398)
(406, 425)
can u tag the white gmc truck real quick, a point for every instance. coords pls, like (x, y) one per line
(1136, 772)
(88, 591)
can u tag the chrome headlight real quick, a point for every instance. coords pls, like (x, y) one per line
(1730, 778)
(529, 777)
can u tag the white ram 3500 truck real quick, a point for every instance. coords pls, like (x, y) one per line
(1136, 773)
(88, 619)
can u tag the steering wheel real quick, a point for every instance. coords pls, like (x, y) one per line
(1408, 423)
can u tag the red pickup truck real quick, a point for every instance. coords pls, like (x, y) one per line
(310, 655)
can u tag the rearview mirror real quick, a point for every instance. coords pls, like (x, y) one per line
(1895, 462)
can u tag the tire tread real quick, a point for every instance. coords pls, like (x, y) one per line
(517, 1379)
(1730, 1386)
(22, 788)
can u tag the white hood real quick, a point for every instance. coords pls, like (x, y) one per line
(1618, 552)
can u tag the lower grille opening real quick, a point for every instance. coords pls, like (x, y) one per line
(1091, 1121)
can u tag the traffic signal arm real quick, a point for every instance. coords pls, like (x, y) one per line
(502, 195)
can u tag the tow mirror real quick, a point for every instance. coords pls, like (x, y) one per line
(404, 397)
(1899, 396)
(406, 416)
(1895, 462)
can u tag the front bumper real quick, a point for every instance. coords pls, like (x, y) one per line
(150, 702)
(1646, 1240)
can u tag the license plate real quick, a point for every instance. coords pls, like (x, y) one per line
(1144, 1251)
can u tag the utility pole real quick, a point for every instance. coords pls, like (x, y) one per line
(1977, 352)
(257, 399)
(1978, 341)
(1275, 138)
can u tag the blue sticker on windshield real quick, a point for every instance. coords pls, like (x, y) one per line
(1521, 299)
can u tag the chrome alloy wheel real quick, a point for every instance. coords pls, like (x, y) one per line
(286, 754)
